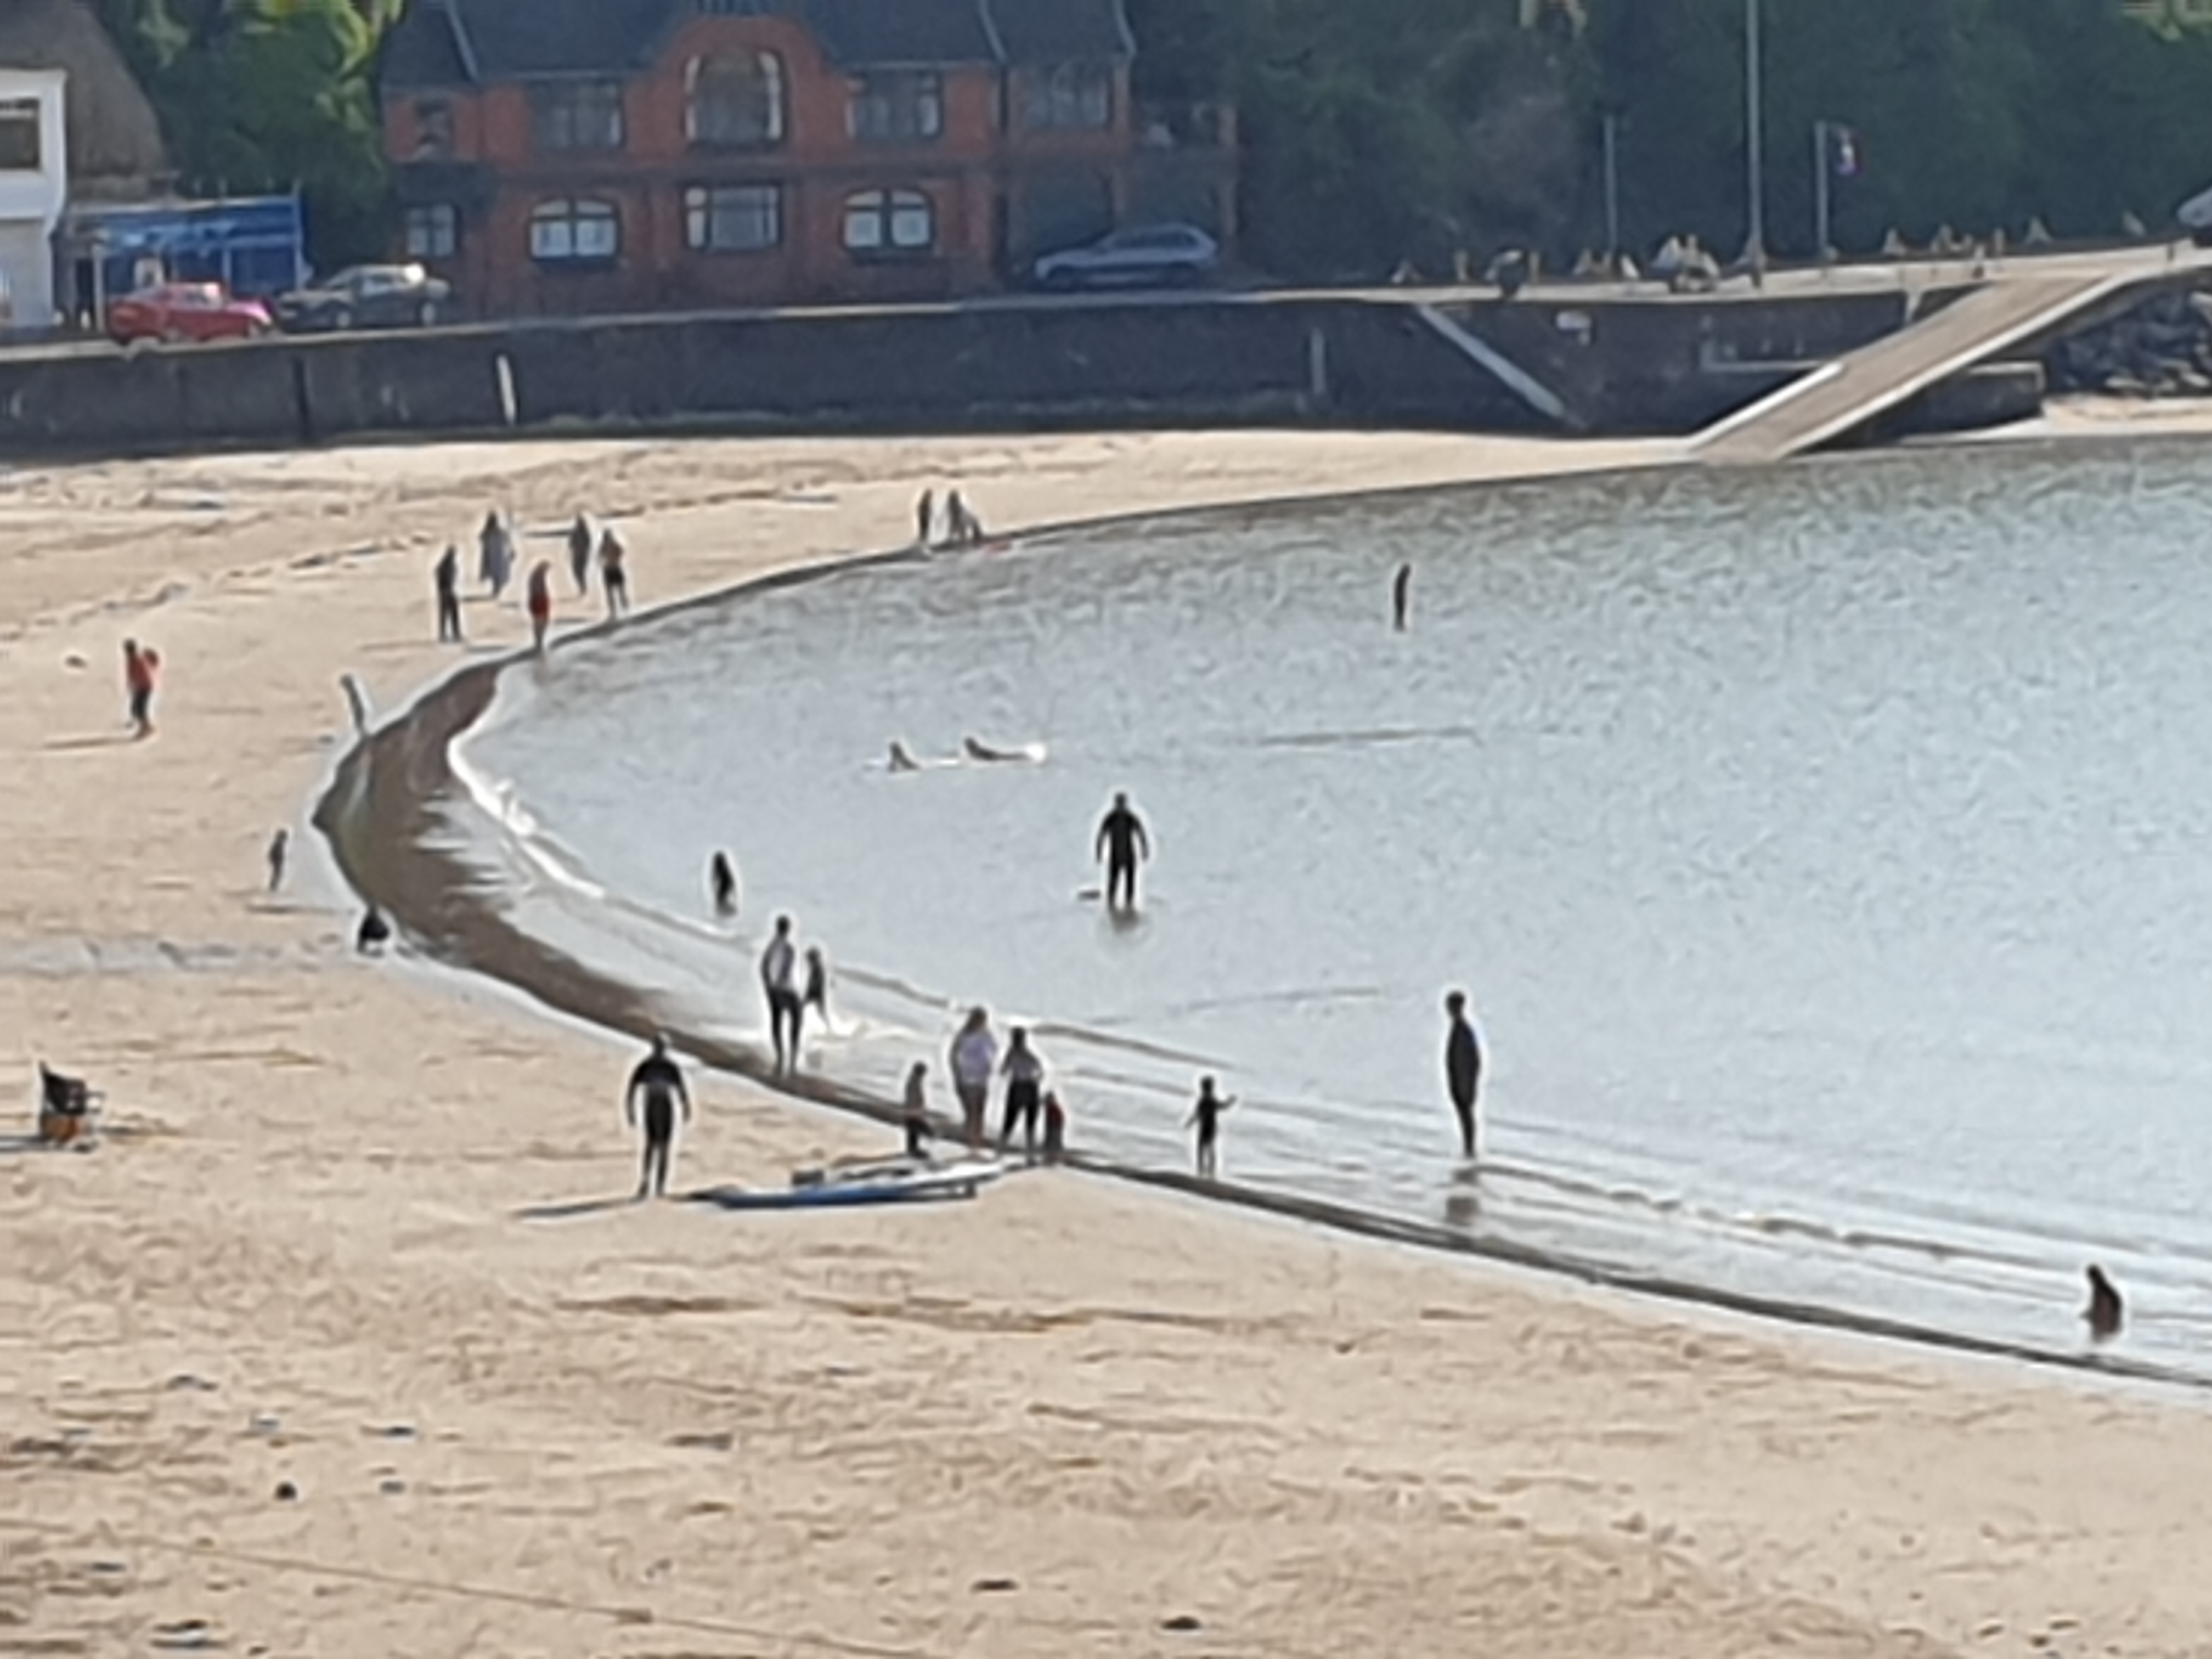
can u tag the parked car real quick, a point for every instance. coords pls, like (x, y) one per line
(185, 311)
(2196, 217)
(1136, 256)
(366, 296)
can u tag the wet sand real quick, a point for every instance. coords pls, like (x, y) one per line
(362, 1227)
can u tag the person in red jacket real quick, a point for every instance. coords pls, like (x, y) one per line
(141, 665)
(541, 603)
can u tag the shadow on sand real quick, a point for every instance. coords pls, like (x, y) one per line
(575, 1207)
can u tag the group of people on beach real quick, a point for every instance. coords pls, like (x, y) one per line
(959, 526)
(495, 560)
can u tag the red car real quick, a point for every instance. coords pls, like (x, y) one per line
(185, 310)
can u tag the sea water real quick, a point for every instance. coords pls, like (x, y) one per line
(1825, 852)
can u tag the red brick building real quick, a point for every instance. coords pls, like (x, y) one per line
(570, 156)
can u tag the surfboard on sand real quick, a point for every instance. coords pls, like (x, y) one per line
(886, 1181)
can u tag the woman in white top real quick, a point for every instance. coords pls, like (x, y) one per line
(1024, 1074)
(975, 1058)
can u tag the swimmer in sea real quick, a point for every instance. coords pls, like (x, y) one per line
(661, 1080)
(1122, 843)
(1462, 1068)
(722, 885)
(902, 758)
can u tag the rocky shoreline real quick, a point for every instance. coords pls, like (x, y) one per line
(2162, 348)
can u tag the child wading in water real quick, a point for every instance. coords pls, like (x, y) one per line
(1206, 1115)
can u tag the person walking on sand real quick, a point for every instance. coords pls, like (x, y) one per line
(722, 885)
(142, 668)
(614, 574)
(1122, 843)
(778, 967)
(1025, 1075)
(659, 1082)
(975, 1058)
(449, 578)
(1462, 1069)
(495, 554)
(1205, 1114)
(580, 554)
(279, 845)
(915, 1111)
(925, 518)
(541, 603)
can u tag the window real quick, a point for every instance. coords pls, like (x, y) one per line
(897, 106)
(577, 115)
(19, 148)
(433, 231)
(1072, 95)
(890, 221)
(434, 128)
(562, 232)
(733, 218)
(734, 98)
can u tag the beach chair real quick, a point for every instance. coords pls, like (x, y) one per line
(65, 1107)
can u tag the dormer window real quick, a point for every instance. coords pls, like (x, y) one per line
(20, 148)
(734, 100)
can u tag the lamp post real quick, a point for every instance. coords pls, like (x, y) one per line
(1821, 130)
(1612, 118)
(1755, 247)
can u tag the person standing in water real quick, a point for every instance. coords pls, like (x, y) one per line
(1055, 1127)
(722, 885)
(1025, 1075)
(975, 1058)
(1402, 594)
(449, 578)
(614, 574)
(1205, 1114)
(816, 993)
(541, 603)
(779, 968)
(580, 554)
(1122, 843)
(142, 668)
(925, 518)
(660, 1081)
(915, 1112)
(1462, 1069)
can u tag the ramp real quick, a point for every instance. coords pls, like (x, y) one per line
(1854, 389)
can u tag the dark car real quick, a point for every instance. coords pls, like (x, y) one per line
(1137, 256)
(366, 296)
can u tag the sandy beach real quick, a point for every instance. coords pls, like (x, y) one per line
(286, 1368)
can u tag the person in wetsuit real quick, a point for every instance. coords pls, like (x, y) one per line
(1462, 1068)
(448, 578)
(722, 885)
(1402, 596)
(1205, 1115)
(1122, 843)
(580, 554)
(779, 968)
(1025, 1075)
(660, 1081)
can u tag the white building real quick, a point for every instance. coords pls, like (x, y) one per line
(33, 191)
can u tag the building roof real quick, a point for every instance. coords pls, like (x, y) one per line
(457, 42)
(113, 138)
(1062, 31)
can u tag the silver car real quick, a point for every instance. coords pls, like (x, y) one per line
(1137, 256)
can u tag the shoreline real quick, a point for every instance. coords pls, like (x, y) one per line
(403, 771)
(1073, 1417)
